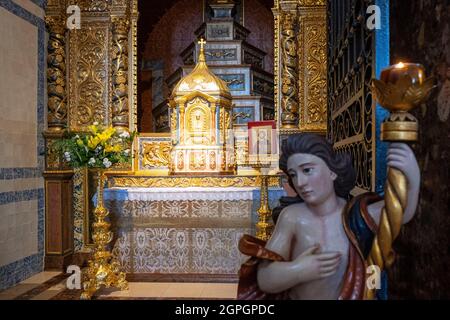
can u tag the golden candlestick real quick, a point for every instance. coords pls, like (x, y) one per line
(402, 88)
(103, 270)
(264, 226)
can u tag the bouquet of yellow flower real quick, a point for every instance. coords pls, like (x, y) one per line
(100, 147)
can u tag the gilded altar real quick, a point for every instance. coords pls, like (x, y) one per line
(93, 77)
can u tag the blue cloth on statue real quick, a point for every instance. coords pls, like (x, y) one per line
(357, 222)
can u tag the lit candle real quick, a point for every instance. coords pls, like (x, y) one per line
(397, 71)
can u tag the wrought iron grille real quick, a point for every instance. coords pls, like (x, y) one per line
(351, 66)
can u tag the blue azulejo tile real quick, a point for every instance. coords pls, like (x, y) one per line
(41, 165)
(11, 197)
(9, 173)
(40, 3)
(17, 173)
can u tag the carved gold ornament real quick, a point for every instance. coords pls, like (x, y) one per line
(89, 95)
(312, 53)
(156, 154)
(289, 74)
(119, 64)
(184, 182)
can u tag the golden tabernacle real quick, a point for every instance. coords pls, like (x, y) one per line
(201, 113)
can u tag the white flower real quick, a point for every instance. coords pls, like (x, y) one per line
(126, 152)
(124, 135)
(95, 123)
(77, 137)
(107, 163)
(91, 161)
(67, 156)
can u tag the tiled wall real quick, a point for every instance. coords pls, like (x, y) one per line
(22, 65)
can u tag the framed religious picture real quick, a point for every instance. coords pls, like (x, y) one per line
(262, 141)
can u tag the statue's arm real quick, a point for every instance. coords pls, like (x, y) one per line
(401, 157)
(274, 277)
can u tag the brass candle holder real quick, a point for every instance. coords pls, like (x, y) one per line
(402, 87)
(264, 226)
(103, 269)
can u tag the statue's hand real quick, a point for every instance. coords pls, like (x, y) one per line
(401, 157)
(313, 265)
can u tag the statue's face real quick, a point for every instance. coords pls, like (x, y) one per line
(311, 177)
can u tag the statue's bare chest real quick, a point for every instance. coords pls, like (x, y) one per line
(326, 231)
(330, 234)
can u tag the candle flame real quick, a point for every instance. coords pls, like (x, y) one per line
(400, 65)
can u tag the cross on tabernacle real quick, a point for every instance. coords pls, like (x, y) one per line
(202, 42)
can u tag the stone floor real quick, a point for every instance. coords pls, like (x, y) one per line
(52, 286)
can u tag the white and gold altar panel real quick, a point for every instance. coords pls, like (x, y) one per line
(182, 230)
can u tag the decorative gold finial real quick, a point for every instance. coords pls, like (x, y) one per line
(201, 56)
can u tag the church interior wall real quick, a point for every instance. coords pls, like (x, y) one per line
(175, 31)
(170, 36)
(421, 268)
(21, 123)
(259, 20)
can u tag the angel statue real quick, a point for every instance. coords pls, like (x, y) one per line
(322, 239)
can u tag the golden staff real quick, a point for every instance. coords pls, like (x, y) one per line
(402, 87)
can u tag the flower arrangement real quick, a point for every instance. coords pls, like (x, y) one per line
(100, 147)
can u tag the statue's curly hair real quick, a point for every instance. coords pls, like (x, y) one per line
(339, 163)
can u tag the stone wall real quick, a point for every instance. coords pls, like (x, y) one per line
(22, 64)
(420, 32)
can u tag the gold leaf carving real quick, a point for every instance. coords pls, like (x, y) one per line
(156, 154)
(289, 75)
(152, 182)
(119, 61)
(312, 71)
(88, 76)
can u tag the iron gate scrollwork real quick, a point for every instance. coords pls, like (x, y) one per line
(351, 66)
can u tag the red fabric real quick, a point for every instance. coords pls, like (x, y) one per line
(248, 288)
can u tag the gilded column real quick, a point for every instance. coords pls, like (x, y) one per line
(289, 71)
(276, 64)
(58, 179)
(119, 73)
(56, 73)
(133, 63)
(300, 65)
